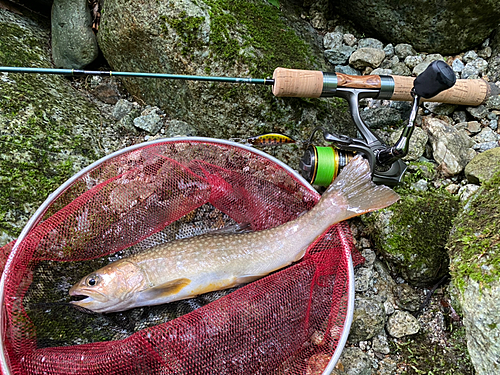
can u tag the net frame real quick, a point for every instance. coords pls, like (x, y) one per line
(37, 217)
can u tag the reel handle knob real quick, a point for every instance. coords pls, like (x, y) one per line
(436, 78)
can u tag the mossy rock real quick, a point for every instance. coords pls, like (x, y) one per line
(474, 249)
(412, 233)
(49, 131)
(237, 38)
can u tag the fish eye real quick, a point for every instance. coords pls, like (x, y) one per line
(92, 280)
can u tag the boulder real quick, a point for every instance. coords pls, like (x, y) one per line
(235, 39)
(412, 234)
(483, 166)
(49, 130)
(447, 28)
(474, 250)
(451, 147)
(74, 44)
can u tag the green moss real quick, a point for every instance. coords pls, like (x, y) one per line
(265, 41)
(187, 28)
(414, 239)
(41, 121)
(420, 355)
(474, 245)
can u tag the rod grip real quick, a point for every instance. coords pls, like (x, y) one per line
(297, 83)
(471, 92)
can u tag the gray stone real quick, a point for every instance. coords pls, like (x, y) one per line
(485, 146)
(368, 319)
(339, 55)
(473, 127)
(122, 108)
(412, 61)
(481, 309)
(380, 344)
(493, 125)
(387, 366)
(389, 51)
(466, 191)
(370, 43)
(406, 297)
(333, 40)
(449, 28)
(346, 69)
(486, 135)
(74, 44)
(469, 56)
(381, 72)
(474, 254)
(381, 117)
(350, 40)
(402, 324)
(149, 121)
(451, 148)
(356, 362)
(483, 166)
(485, 53)
(440, 108)
(479, 112)
(404, 50)
(474, 68)
(493, 102)
(177, 128)
(457, 66)
(400, 69)
(366, 57)
(363, 279)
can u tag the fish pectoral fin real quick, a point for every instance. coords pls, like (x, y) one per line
(245, 279)
(165, 290)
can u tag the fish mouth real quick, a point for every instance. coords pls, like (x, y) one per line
(83, 297)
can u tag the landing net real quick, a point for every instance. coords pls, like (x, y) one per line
(294, 321)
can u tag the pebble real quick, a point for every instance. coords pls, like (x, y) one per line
(401, 324)
(366, 57)
(467, 191)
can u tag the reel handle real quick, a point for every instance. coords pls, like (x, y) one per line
(315, 84)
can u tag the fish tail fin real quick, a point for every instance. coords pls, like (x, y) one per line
(357, 191)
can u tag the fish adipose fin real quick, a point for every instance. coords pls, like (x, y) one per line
(358, 191)
(165, 290)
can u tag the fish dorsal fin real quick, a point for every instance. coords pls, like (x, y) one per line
(165, 290)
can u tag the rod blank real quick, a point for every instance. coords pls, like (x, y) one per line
(78, 72)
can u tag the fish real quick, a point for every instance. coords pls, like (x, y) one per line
(188, 267)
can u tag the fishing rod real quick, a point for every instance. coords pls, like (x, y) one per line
(103, 73)
(320, 165)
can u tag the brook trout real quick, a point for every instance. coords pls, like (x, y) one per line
(188, 267)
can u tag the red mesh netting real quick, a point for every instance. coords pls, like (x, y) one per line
(289, 322)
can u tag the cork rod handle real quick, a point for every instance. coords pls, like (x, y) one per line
(309, 84)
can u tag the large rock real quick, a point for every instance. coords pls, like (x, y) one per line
(451, 148)
(483, 166)
(474, 249)
(219, 38)
(74, 44)
(444, 27)
(49, 130)
(412, 233)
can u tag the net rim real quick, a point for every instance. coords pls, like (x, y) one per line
(41, 210)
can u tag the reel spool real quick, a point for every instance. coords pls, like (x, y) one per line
(321, 165)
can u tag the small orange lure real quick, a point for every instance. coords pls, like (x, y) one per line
(270, 139)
